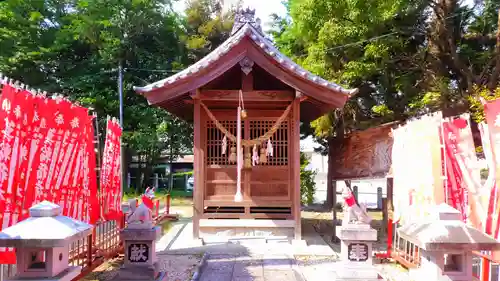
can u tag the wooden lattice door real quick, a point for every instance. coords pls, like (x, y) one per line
(271, 180)
(266, 181)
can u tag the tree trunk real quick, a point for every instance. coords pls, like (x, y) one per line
(148, 170)
(330, 194)
(141, 173)
(335, 144)
(496, 71)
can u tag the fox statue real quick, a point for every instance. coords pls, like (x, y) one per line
(142, 216)
(355, 214)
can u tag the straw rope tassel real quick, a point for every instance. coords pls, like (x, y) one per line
(255, 155)
(269, 150)
(224, 145)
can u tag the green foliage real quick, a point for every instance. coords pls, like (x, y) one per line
(396, 52)
(476, 106)
(207, 26)
(307, 183)
(183, 174)
(484, 173)
(74, 47)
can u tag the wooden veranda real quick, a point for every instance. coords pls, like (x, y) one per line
(248, 72)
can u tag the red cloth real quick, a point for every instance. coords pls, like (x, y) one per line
(456, 185)
(492, 114)
(148, 202)
(46, 153)
(110, 172)
(350, 200)
(13, 103)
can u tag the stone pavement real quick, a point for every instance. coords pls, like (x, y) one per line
(255, 259)
(252, 268)
(255, 267)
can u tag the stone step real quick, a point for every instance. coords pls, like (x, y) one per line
(250, 240)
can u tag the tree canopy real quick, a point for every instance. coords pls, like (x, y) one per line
(75, 47)
(407, 57)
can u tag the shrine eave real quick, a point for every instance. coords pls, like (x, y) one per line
(225, 56)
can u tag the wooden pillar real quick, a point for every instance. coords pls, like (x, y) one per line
(295, 165)
(198, 168)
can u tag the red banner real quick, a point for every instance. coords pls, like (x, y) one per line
(490, 184)
(12, 150)
(111, 172)
(454, 184)
(46, 153)
(492, 114)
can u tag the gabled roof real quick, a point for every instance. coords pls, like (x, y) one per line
(247, 40)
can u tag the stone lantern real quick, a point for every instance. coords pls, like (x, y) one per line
(42, 243)
(446, 244)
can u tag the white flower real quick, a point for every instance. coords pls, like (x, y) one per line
(74, 123)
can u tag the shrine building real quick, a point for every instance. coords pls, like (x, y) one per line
(246, 84)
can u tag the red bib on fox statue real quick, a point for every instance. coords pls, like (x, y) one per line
(349, 198)
(147, 198)
(354, 213)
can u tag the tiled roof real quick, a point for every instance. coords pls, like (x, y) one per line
(246, 30)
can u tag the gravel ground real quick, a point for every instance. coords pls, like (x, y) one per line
(105, 271)
(393, 272)
(177, 268)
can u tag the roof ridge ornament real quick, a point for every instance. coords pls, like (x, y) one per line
(243, 17)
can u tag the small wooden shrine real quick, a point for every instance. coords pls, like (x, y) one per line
(246, 94)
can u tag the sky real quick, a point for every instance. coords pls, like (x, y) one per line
(263, 8)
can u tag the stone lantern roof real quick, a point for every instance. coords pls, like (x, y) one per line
(445, 230)
(45, 228)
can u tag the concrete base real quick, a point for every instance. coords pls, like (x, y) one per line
(67, 275)
(299, 243)
(208, 233)
(350, 272)
(356, 253)
(142, 273)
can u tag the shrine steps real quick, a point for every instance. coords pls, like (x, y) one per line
(246, 229)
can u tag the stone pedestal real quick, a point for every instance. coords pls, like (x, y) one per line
(140, 256)
(42, 243)
(356, 253)
(67, 275)
(444, 265)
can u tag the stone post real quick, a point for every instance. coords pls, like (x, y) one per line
(355, 192)
(356, 253)
(379, 198)
(139, 237)
(140, 256)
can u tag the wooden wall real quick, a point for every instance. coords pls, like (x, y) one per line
(270, 190)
